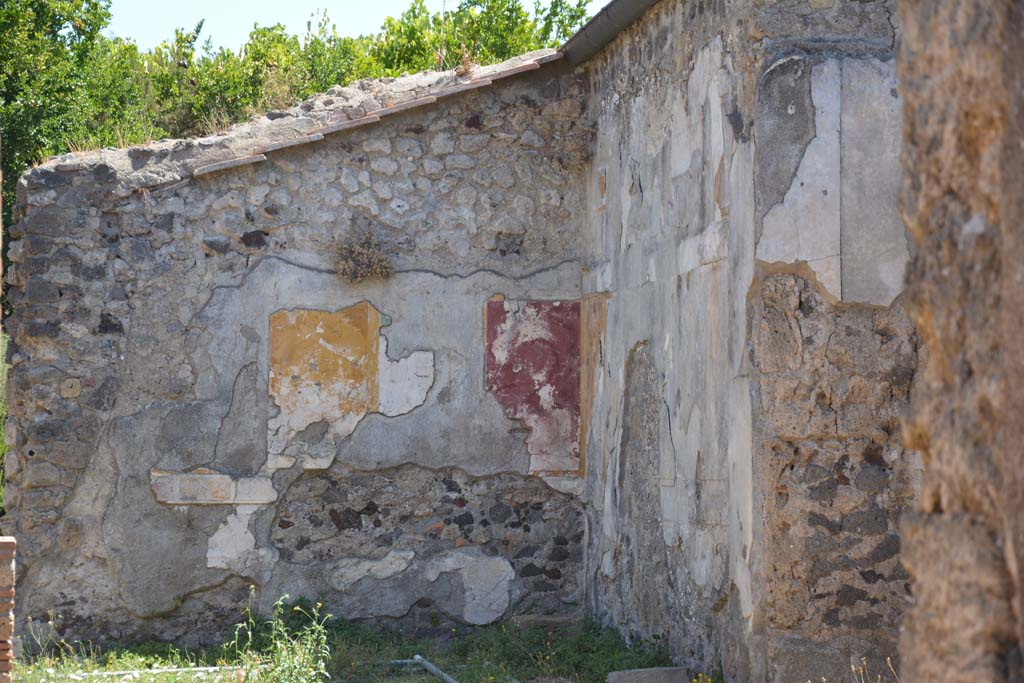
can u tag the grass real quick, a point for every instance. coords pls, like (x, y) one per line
(291, 646)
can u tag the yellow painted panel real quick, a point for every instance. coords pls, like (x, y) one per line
(323, 364)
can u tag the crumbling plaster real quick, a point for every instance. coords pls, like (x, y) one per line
(199, 403)
(146, 498)
(720, 164)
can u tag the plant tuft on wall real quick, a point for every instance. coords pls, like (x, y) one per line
(361, 257)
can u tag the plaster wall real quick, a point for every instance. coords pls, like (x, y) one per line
(200, 404)
(670, 238)
(643, 352)
(727, 170)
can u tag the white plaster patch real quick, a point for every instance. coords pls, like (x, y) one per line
(403, 383)
(233, 546)
(348, 571)
(805, 226)
(485, 579)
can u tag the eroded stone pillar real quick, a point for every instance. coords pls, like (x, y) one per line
(961, 73)
(7, 548)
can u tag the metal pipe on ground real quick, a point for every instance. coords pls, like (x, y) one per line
(417, 660)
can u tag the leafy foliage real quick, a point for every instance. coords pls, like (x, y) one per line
(65, 86)
(46, 47)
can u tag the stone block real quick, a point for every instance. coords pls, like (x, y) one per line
(193, 488)
(205, 487)
(665, 674)
(875, 252)
(40, 474)
(71, 388)
(254, 491)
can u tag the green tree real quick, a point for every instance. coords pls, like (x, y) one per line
(45, 51)
(333, 60)
(65, 86)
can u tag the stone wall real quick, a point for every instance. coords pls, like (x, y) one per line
(644, 351)
(8, 546)
(198, 403)
(960, 72)
(746, 474)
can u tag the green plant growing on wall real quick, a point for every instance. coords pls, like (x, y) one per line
(361, 257)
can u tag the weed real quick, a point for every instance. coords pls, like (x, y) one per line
(861, 675)
(278, 651)
(296, 644)
(361, 257)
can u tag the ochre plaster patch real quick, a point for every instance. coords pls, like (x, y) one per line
(332, 366)
(323, 366)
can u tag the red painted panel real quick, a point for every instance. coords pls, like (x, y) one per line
(533, 368)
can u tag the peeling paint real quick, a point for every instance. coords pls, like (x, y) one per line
(486, 581)
(533, 368)
(323, 366)
(333, 366)
(233, 545)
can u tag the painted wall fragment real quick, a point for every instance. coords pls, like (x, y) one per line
(233, 545)
(533, 368)
(331, 368)
(208, 487)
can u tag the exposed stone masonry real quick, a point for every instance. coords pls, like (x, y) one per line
(960, 71)
(835, 383)
(392, 519)
(643, 353)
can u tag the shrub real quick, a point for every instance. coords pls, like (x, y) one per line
(289, 648)
(362, 257)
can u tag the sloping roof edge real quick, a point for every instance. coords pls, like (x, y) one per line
(584, 44)
(603, 27)
(251, 142)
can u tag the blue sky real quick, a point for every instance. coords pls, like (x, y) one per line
(228, 22)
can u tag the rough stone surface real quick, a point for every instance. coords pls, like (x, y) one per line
(963, 122)
(834, 385)
(642, 352)
(183, 357)
(668, 674)
(384, 541)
